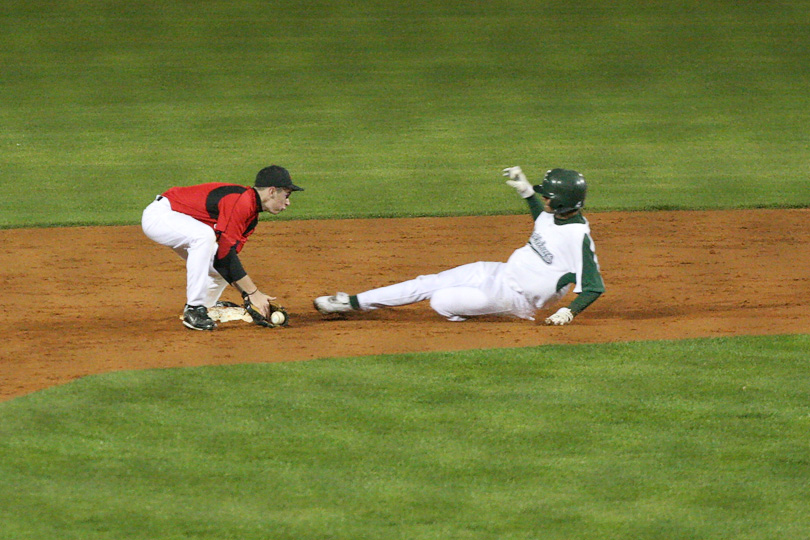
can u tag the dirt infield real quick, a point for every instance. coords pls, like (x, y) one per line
(87, 300)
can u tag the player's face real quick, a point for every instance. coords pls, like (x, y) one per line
(275, 200)
(547, 205)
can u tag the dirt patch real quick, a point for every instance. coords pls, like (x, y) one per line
(87, 300)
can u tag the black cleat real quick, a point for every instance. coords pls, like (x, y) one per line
(196, 318)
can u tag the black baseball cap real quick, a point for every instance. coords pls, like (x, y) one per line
(275, 176)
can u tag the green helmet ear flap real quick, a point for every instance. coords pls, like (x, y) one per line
(565, 189)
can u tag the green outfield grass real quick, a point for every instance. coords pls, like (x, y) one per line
(401, 108)
(657, 440)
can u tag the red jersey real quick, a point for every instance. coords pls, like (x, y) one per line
(230, 209)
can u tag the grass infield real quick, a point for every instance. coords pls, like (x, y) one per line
(658, 440)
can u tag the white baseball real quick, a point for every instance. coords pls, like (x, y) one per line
(277, 317)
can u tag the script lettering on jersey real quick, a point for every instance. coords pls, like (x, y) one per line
(538, 245)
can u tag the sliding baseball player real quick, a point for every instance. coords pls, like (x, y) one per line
(559, 255)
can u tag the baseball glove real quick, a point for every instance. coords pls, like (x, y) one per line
(278, 315)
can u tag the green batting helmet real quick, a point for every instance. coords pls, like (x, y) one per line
(565, 190)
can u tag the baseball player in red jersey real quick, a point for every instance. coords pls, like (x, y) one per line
(207, 225)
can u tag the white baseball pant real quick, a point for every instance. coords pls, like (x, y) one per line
(465, 291)
(192, 240)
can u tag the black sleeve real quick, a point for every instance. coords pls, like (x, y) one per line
(230, 267)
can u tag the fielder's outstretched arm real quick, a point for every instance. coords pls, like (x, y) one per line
(259, 300)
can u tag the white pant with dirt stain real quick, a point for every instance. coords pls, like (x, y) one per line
(465, 291)
(192, 240)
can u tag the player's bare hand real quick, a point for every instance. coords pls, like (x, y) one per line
(563, 316)
(518, 181)
(261, 303)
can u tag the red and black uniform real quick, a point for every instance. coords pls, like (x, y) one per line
(230, 209)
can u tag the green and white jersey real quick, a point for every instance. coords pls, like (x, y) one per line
(559, 253)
